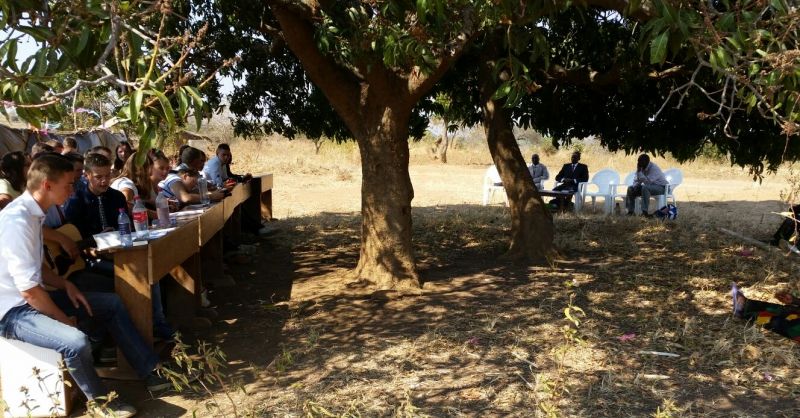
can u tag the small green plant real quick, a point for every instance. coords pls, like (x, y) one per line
(285, 360)
(556, 387)
(201, 371)
(406, 409)
(314, 409)
(668, 409)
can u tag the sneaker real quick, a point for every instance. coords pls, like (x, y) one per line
(156, 383)
(112, 409)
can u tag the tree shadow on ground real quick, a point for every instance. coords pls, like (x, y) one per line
(487, 337)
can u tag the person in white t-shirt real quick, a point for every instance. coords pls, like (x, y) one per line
(134, 180)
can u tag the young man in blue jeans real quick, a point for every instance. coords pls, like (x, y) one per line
(49, 319)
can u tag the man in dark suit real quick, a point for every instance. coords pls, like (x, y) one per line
(571, 174)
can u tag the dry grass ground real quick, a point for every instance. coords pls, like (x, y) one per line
(489, 338)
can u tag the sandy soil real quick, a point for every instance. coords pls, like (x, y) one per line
(486, 338)
(303, 194)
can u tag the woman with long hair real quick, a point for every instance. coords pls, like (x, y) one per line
(134, 180)
(123, 153)
(13, 174)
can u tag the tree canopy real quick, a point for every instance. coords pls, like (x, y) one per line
(126, 46)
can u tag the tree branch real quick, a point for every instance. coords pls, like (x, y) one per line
(339, 85)
(112, 40)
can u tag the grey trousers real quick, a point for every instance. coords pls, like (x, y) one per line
(645, 191)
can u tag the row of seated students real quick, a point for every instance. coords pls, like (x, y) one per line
(70, 189)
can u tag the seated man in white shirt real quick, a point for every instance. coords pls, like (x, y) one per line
(538, 172)
(31, 314)
(217, 170)
(650, 181)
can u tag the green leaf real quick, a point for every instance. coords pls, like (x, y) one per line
(166, 108)
(183, 104)
(502, 91)
(135, 105)
(194, 93)
(40, 67)
(778, 5)
(422, 10)
(754, 69)
(734, 42)
(85, 34)
(145, 142)
(11, 58)
(658, 48)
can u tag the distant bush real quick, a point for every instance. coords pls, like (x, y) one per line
(711, 153)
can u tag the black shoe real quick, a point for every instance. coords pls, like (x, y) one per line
(157, 383)
(630, 213)
(646, 215)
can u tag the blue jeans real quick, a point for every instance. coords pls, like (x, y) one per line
(101, 279)
(26, 324)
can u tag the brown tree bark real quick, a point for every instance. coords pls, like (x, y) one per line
(387, 256)
(532, 229)
(442, 148)
(375, 103)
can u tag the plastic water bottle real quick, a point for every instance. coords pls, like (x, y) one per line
(203, 186)
(140, 218)
(124, 225)
(162, 209)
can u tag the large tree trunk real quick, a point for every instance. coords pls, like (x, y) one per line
(375, 102)
(387, 256)
(444, 144)
(532, 229)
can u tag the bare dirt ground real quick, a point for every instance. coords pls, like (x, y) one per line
(490, 338)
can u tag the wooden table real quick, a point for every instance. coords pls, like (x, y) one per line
(179, 254)
(562, 196)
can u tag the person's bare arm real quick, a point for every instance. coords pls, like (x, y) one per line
(129, 197)
(75, 296)
(183, 195)
(40, 300)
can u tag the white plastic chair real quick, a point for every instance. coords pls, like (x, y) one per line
(491, 184)
(674, 178)
(604, 181)
(621, 190)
